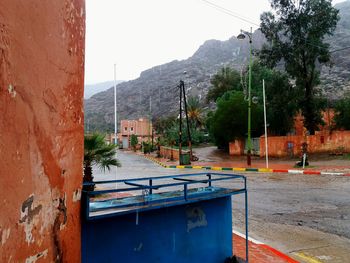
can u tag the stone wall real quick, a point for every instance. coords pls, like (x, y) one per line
(41, 129)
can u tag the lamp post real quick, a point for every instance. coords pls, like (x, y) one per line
(242, 36)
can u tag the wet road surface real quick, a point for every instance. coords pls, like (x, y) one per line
(305, 216)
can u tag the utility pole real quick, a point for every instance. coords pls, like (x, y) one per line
(242, 36)
(266, 144)
(150, 123)
(183, 93)
(115, 105)
(187, 121)
(115, 116)
(180, 127)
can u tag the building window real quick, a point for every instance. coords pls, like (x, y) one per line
(125, 128)
(132, 129)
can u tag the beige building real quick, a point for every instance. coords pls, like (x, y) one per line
(142, 128)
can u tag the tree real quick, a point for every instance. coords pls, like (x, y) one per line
(195, 112)
(229, 121)
(281, 97)
(162, 124)
(295, 35)
(342, 113)
(133, 141)
(226, 79)
(172, 134)
(97, 152)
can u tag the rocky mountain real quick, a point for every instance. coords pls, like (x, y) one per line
(160, 83)
(92, 89)
(336, 80)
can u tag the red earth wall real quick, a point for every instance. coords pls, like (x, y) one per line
(41, 129)
(236, 148)
(167, 152)
(322, 142)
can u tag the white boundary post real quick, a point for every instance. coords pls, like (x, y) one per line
(266, 145)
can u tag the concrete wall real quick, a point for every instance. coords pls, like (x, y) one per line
(322, 142)
(41, 129)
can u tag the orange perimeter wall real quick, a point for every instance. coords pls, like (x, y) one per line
(323, 142)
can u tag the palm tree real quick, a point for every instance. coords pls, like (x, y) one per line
(195, 111)
(225, 80)
(97, 152)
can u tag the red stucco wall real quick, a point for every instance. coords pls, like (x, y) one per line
(41, 129)
(322, 142)
(236, 148)
(168, 152)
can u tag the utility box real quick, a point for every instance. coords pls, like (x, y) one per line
(185, 159)
(192, 224)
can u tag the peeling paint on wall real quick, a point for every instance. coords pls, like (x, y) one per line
(77, 195)
(139, 247)
(33, 259)
(27, 217)
(12, 91)
(60, 221)
(195, 218)
(5, 235)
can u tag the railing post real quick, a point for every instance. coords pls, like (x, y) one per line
(150, 186)
(246, 220)
(185, 191)
(85, 205)
(209, 182)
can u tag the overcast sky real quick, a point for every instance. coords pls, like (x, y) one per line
(139, 34)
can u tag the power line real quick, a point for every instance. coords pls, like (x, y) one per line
(229, 12)
(340, 49)
(343, 38)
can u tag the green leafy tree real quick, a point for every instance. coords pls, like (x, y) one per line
(162, 124)
(97, 152)
(281, 97)
(229, 121)
(195, 112)
(342, 113)
(226, 79)
(295, 34)
(172, 134)
(133, 141)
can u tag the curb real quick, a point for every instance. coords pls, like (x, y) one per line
(238, 169)
(267, 247)
(155, 160)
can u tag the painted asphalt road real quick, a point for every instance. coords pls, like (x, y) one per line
(305, 216)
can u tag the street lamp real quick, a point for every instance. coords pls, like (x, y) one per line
(242, 36)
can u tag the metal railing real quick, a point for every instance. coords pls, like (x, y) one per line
(97, 203)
